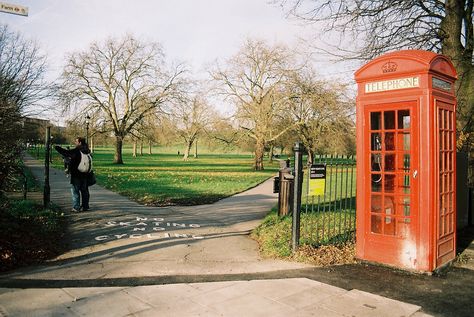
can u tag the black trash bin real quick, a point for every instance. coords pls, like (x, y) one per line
(276, 184)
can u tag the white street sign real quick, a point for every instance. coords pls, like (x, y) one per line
(13, 9)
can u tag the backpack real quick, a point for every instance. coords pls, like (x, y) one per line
(85, 165)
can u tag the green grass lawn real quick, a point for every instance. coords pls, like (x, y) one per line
(165, 179)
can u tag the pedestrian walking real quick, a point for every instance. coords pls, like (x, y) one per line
(79, 186)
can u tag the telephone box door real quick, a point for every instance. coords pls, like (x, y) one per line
(392, 165)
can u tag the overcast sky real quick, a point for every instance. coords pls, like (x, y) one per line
(194, 31)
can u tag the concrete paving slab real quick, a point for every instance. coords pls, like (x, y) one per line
(359, 303)
(252, 305)
(312, 296)
(118, 303)
(35, 302)
(179, 311)
(164, 295)
(275, 289)
(317, 311)
(208, 287)
(222, 294)
(84, 292)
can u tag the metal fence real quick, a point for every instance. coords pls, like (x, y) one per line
(330, 218)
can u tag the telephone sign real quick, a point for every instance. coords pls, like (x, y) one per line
(317, 179)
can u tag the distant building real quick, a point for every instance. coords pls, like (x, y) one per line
(33, 129)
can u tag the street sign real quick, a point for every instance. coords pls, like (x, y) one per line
(317, 179)
(13, 9)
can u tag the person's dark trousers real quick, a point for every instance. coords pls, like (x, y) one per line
(80, 192)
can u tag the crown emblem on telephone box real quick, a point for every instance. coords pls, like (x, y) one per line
(389, 67)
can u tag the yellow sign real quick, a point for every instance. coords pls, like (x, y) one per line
(317, 187)
(317, 180)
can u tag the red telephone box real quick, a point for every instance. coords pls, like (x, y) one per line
(406, 160)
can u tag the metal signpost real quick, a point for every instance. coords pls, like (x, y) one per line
(295, 232)
(46, 190)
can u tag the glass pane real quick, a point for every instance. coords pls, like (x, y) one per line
(405, 183)
(389, 162)
(389, 205)
(449, 161)
(446, 141)
(406, 162)
(450, 140)
(390, 141)
(451, 120)
(441, 140)
(406, 141)
(445, 120)
(389, 183)
(375, 121)
(406, 205)
(403, 227)
(376, 203)
(404, 119)
(389, 226)
(376, 182)
(376, 142)
(376, 164)
(376, 224)
(389, 120)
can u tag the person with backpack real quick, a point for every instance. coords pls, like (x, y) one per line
(80, 165)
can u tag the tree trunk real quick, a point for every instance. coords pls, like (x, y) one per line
(452, 46)
(118, 150)
(310, 156)
(134, 152)
(196, 148)
(149, 147)
(259, 152)
(270, 155)
(141, 148)
(187, 150)
(91, 144)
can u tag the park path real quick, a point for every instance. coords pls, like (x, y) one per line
(119, 238)
(131, 260)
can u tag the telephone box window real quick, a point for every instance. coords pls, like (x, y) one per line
(406, 141)
(390, 141)
(389, 183)
(375, 121)
(376, 206)
(376, 142)
(404, 119)
(389, 162)
(389, 120)
(376, 222)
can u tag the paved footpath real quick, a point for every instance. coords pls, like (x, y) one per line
(131, 260)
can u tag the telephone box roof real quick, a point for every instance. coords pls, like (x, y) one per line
(405, 62)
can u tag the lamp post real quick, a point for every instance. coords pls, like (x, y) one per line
(87, 128)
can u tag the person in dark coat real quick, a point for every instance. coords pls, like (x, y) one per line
(79, 188)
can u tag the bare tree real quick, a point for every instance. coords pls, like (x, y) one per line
(383, 25)
(251, 80)
(123, 80)
(192, 116)
(322, 112)
(22, 86)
